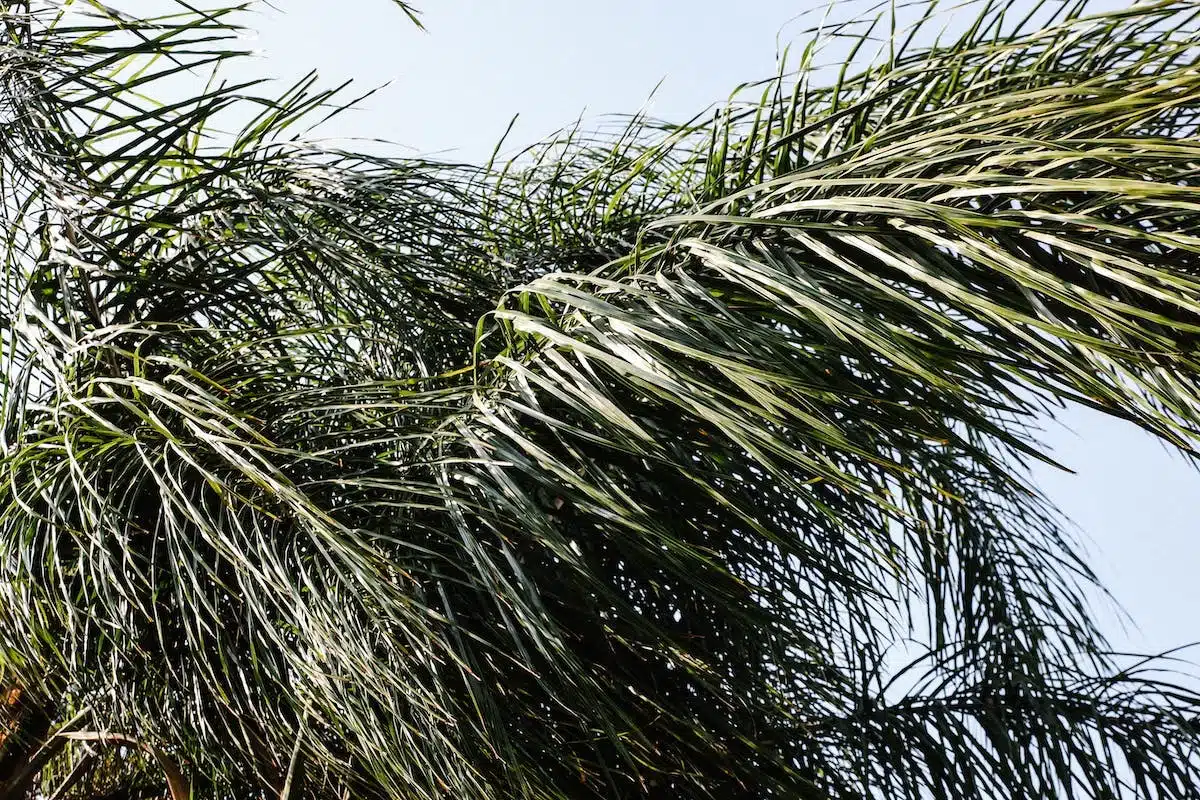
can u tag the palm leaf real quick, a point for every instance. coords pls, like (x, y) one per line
(639, 466)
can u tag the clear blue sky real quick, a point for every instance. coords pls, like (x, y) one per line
(454, 89)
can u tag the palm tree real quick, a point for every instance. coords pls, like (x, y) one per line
(675, 460)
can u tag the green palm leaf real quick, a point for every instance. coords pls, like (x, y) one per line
(675, 460)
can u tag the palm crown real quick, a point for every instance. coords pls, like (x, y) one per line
(667, 461)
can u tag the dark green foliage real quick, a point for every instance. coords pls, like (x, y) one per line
(640, 466)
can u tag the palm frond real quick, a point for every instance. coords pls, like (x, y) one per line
(639, 466)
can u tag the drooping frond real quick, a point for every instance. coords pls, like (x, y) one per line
(675, 461)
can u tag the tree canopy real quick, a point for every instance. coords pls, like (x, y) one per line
(668, 460)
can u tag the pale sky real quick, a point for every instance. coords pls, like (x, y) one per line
(454, 89)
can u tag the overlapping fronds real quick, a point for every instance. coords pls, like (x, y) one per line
(666, 461)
